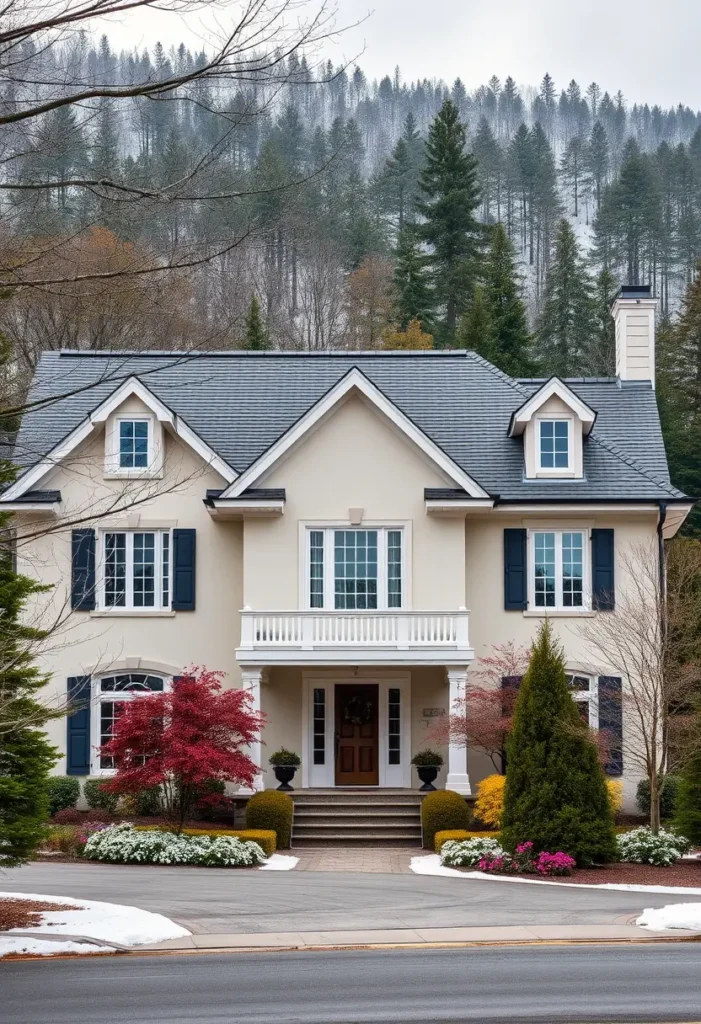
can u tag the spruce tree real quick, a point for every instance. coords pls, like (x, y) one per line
(567, 325)
(413, 296)
(507, 311)
(476, 330)
(451, 196)
(256, 335)
(26, 756)
(555, 795)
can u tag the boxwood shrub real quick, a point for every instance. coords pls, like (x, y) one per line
(265, 838)
(441, 811)
(271, 810)
(97, 797)
(124, 844)
(459, 835)
(64, 793)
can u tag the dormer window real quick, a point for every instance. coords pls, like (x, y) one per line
(133, 444)
(554, 444)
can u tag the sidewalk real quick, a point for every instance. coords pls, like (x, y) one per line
(425, 937)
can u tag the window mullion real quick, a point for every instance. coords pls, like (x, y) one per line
(329, 569)
(382, 573)
(559, 586)
(129, 569)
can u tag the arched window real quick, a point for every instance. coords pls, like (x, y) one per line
(112, 693)
(584, 692)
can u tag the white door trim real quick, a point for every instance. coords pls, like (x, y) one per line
(324, 776)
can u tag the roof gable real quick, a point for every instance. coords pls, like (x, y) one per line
(552, 388)
(353, 381)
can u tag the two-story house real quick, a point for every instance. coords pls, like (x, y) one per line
(341, 533)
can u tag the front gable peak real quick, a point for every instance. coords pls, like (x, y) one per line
(553, 388)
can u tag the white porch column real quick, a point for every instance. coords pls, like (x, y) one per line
(457, 779)
(252, 679)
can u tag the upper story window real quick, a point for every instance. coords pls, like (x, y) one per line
(558, 570)
(355, 570)
(112, 693)
(133, 444)
(554, 444)
(135, 570)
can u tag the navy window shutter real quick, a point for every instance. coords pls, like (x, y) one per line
(511, 685)
(184, 582)
(82, 570)
(78, 723)
(611, 720)
(602, 560)
(515, 571)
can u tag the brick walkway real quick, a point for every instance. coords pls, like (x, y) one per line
(380, 861)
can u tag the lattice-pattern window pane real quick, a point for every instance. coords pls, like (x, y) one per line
(572, 570)
(554, 444)
(355, 569)
(394, 568)
(165, 580)
(319, 722)
(580, 688)
(544, 570)
(110, 711)
(316, 569)
(394, 722)
(144, 570)
(131, 682)
(115, 570)
(133, 444)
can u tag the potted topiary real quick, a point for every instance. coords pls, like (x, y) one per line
(427, 762)
(285, 763)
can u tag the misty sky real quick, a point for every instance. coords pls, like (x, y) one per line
(649, 49)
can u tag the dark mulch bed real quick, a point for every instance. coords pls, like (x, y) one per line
(25, 913)
(683, 873)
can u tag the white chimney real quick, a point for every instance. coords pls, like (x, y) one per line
(634, 313)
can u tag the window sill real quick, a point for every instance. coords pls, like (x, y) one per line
(559, 613)
(132, 613)
(133, 474)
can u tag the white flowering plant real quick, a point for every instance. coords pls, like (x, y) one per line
(469, 852)
(642, 846)
(123, 844)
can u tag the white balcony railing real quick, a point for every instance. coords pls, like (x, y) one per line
(354, 637)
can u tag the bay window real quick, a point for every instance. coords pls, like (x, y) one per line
(355, 569)
(558, 570)
(135, 570)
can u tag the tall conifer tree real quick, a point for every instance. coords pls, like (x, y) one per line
(507, 313)
(414, 298)
(257, 339)
(567, 326)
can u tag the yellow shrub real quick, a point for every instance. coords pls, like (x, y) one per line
(614, 788)
(266, 838)
(489, 805)
(459, 835)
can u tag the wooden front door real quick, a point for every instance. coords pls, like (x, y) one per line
(356, 734)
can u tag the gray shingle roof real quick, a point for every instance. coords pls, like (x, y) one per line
(240, 403)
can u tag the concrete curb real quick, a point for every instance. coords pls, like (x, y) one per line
(378, 938)
(61, 937)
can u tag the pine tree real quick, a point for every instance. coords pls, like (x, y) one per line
(507, 311)
(598, 160)
(476, 330)
(257, 339)
(400, 179)
(26, 756)
(413, 297)
(555, 794)
(567, 326)
(449, 184)
(601, 358)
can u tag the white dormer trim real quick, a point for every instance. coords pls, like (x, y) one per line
(354, 380)
(552, 388)
(132, 387)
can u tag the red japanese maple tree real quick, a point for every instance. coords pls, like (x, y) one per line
(184, 738)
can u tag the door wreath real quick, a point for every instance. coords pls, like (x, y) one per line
(357, 711)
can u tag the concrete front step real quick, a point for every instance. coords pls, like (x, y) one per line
(357, 817)
(352, 842)
(357, 796)
(348, 814)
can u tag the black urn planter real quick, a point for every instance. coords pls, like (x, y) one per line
(285, 773)
(427, 774)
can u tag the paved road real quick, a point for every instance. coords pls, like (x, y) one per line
(571, 983)
(220, 900)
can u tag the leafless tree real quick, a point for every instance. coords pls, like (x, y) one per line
(653, 641)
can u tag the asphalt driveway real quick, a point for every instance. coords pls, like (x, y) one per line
(220, 900)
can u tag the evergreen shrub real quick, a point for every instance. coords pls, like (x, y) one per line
(555, 794)
(667, 800)
(469, 853)
(64, 792)
(440, 811)
(99, 798)
(123, 844)
(271, 809)
(643, 846)
(266, 838)
(459, 835)
(688, 804)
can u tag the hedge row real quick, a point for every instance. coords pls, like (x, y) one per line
(266, 838)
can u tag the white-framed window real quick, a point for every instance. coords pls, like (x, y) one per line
(554, 441)
(135, 570)
(355, 569)
(111, 693)
(585, 693)
(133, 443)
(559, 570)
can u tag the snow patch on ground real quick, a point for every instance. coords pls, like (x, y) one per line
(107, 922)
(674, 915)
(12, 945)
(279, 862)
(430, 864)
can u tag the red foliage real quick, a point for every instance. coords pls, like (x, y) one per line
(183, 738)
